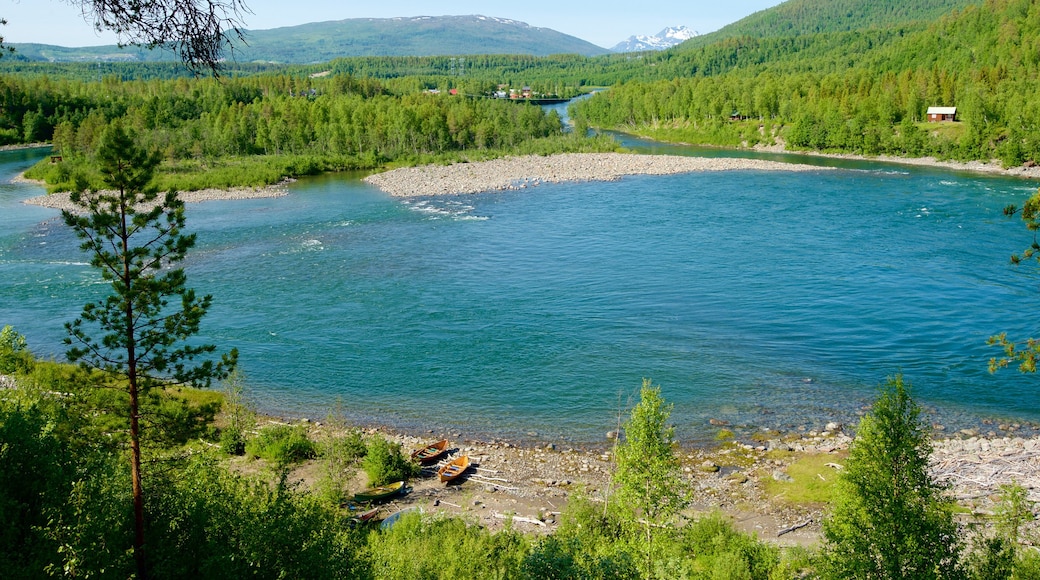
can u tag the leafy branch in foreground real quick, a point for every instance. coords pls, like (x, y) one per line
(135, 240)
(1028, 352)
(197, 30)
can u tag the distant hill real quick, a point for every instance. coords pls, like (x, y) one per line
(667, 38)
(802, 17)
(324, 41)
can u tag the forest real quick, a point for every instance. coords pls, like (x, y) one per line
(863, 91)
(257, 130)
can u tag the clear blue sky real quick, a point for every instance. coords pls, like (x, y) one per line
(604, 22)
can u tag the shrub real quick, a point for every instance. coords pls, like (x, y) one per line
(338, 456)
(422, 547)
(281, 444)
(210, 523)
(14, 356)
(384, 462)
(586, 545)
(231, 441)
(729, 553)
(236, 415)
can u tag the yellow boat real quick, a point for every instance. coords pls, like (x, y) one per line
(380, 492)
(431, 452)
(453, 468)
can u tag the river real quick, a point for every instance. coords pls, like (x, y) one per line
(767, 300)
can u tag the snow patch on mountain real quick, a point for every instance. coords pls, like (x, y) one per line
(667, 38)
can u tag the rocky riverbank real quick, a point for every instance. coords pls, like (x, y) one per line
(745, 480)
(512, 173)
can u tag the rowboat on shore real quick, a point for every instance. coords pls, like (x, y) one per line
(431, 452)
(453, 468)
(380, 492)
(365, 517)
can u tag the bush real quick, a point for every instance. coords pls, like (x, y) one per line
(231, 441)
(14, 356)
(384, 462)
(338, 456)
(729, 553)
(421, 547)
(281, 445)
(209, 523)
(588, 544)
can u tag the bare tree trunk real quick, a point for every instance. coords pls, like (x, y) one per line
(135, 427)
(135, 475)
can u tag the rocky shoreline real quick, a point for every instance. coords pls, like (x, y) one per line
(531, 484)
(513, 173)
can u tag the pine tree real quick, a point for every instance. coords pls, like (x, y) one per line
(135, 240)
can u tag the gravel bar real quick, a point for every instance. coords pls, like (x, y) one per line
(61, 201)
(511, 173)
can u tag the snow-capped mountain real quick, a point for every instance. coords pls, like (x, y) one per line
(667, 38)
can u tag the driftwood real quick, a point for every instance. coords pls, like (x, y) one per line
(479, 479)
(797, 526)
(837, 466)
(519, 519)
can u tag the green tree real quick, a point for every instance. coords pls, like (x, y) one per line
(135, 240)
(1027, 352)
(889, 520)
(650, 490)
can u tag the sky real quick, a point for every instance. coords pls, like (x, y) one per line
(604, 22)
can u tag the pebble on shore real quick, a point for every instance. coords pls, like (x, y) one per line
(512, 173)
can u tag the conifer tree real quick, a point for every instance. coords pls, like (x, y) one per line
(890, 520)
(135, 240)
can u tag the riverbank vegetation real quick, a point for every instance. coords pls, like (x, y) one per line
(262, 129)
(214, 513)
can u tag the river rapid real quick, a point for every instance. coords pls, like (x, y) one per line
(768, 300)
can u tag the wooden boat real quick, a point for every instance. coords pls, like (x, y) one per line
(431, 452)
(453, 468)
(380, 492)
(364, 517)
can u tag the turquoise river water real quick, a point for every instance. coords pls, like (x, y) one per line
(770, 300)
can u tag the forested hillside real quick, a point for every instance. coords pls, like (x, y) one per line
(802, 17)
(859, 91)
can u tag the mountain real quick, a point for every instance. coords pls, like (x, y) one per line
(667, 38)
(324, 41)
